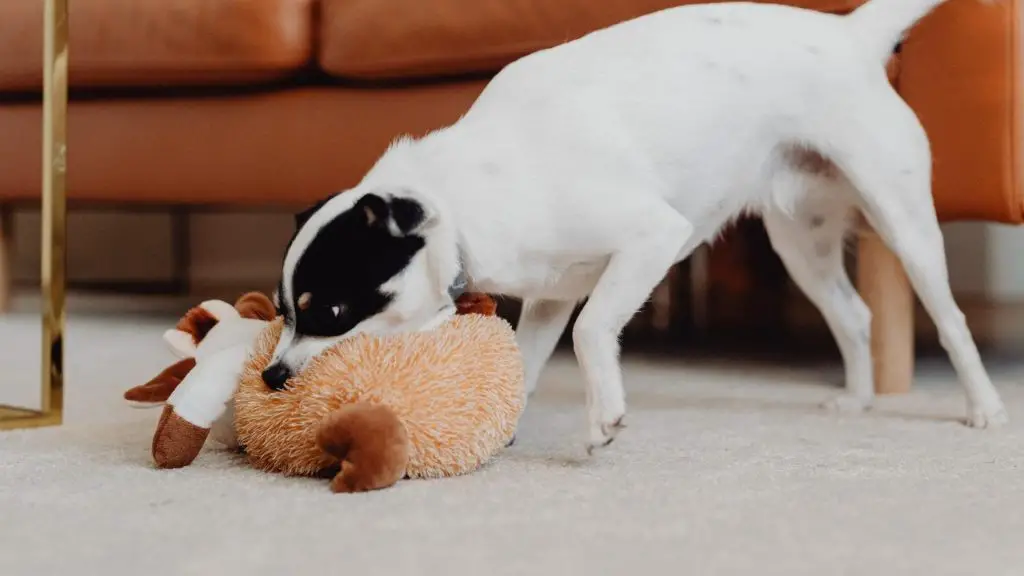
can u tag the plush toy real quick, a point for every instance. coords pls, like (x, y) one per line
(371, 410)
(197, 399)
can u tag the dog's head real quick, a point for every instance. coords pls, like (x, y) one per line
(360, 262)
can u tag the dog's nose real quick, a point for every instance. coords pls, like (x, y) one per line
(276, 375)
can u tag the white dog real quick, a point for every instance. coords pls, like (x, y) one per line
(585, 171)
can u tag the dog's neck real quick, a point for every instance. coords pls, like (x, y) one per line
(447, 259)
(460, 285)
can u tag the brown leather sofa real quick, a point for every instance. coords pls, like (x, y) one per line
(279, 102)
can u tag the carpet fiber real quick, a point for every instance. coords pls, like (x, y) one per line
(727, 469)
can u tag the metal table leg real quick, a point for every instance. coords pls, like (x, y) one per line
(55, 112)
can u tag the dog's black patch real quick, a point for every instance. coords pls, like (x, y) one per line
(300, 219)
(344, 266)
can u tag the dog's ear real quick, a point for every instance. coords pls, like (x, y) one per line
(304, 216)
(373, 211)
(219, 309)
(402, 213)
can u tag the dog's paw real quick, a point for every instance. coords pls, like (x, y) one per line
(603, 433)
(848, 404)
(991, 415)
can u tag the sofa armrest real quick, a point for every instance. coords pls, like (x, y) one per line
(961, 73)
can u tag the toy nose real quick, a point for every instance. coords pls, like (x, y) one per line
(276, 375)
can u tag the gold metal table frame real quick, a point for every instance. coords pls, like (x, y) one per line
(53, 284)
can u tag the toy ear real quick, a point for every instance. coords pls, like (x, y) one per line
(220, 309)
(257, 306)
(198, 321)
(181, 343)
(476, 303)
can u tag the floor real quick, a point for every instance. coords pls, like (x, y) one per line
(725, 468)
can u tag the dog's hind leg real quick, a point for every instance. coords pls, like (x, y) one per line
(810, 241)
(884, 152)
(541, 324)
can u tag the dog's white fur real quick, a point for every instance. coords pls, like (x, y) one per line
(587, 170)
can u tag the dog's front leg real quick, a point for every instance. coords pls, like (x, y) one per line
(541, 324)
(628, 280)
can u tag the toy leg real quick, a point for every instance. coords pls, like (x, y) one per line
(176, 442)
(159, 389)
(371, 443)
(195, 406)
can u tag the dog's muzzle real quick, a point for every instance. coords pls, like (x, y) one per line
(276, 375)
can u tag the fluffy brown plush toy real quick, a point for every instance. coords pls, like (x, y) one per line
(370, 410)
(421, 405)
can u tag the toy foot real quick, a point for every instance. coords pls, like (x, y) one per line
(177, 441)
(371, 443)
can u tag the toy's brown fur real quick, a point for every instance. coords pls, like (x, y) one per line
(370, 442)
(476, 303)
(457, 390)
(197, 322)
(176, 442)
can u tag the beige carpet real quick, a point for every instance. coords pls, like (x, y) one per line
(723, 470)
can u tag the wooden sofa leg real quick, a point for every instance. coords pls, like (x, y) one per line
(886, 290)
(6, 257)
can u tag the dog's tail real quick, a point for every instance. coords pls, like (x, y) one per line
(884, 22)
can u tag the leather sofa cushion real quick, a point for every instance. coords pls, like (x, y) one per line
(160, 42)
(281, 148)
(392, 39)
(961, 73)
